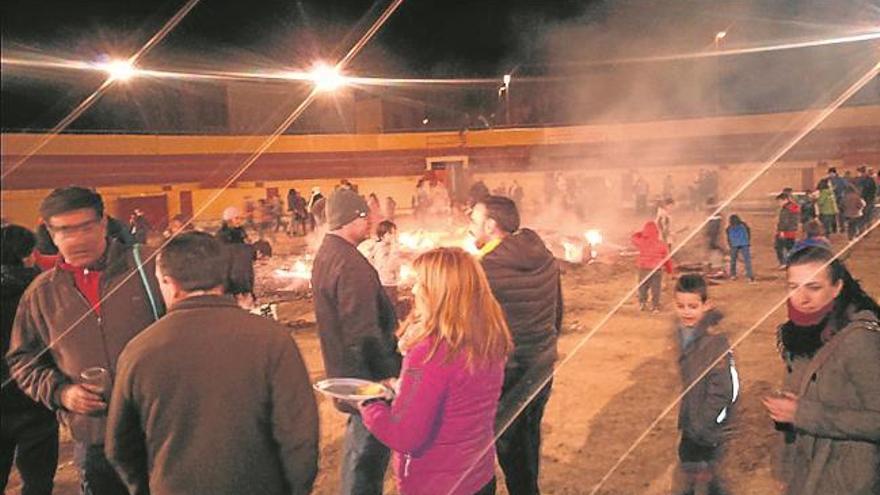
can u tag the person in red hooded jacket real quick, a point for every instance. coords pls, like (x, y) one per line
(653, 253)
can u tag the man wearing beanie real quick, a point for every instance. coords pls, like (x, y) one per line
(356, 324)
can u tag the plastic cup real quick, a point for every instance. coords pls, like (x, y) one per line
(98, 378)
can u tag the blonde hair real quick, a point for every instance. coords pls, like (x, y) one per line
(462, 312)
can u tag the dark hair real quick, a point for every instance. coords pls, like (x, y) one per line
(735, 220)
(65, 199)
(832, 170)
(503, 210)
(692, 283)
(195, 260)
(823, 183)
(384, 227)
(668, 201)
(17, 244)
(782, 195)
(814, 228)
(851, 295)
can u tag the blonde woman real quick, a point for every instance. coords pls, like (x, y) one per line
(440, 425)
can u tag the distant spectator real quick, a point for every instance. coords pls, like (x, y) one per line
(807, 204)
(232, 229)
(664, 220)
(517, 195)
(299, 215)
(853, 211)
(827, 205)
(739, 238)
(814, 230)
(30, 431)
(390, 210)
(139, 226)
(786, 227)
(653, 254)
(868, 188)
(384, 255)
(177, 224)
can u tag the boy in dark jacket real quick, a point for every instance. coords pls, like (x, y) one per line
(652, 254)
(739, 238)
(706, 408)
(786, 227)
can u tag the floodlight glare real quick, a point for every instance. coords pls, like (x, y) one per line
(119, 70)
(326, 78)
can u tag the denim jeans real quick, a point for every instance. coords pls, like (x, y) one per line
(96, 475)
(364, 462)
(747, 260)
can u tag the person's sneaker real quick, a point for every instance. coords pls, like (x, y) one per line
(643, 307)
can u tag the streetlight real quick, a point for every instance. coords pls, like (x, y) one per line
(719, 37)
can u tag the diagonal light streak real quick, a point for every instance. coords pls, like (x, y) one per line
(810, 126)
(723, 355)
(265, 145)
(92, 98)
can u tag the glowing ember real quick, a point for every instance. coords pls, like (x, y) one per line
(574, 253)
(300, 270)
(419, 240)
(407, 274)
(594, 237)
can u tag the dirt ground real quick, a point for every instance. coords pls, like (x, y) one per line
(607, 393)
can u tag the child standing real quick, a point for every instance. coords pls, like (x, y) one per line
(739, 238)
(384, 255)
(827, 205)
(786, 228)
(652, 253)
(706, 408)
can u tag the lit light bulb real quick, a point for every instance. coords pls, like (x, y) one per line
(326, 78)
(119, 70)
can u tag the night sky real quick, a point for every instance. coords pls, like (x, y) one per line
(424, 38)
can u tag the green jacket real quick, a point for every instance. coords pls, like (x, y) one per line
(827, 203)
(835, 447)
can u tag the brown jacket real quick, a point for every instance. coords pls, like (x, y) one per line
(835, 448)
(53, 311)
(211, 399)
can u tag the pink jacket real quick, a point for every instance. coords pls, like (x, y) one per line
(441, 424)
(652, 249)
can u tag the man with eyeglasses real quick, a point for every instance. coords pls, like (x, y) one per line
(79, 316)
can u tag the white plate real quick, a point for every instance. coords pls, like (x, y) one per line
(348, 389)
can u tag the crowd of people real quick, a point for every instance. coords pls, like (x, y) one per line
(126, 346)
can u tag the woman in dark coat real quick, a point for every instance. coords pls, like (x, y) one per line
(829, 410)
